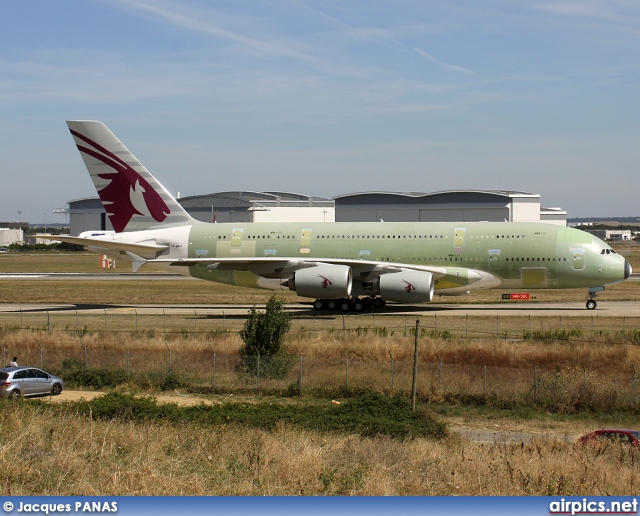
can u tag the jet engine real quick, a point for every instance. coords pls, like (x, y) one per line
(407, 287)
(323, 281)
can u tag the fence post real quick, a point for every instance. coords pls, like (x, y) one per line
(105, 320)
(195, 323)
(300, 375)
(467, 326)
(136, 312)
(484, 367)
(170, 357)
(346, 358)
(84, 361)
(77, 325)
(414, 383)
(41, 357)
(126, 349)
(21, 322)
(440, 372)
(48, 322)
(535, 385)
(258, 363)
(635, 387)
(4, 355)
(393, 373)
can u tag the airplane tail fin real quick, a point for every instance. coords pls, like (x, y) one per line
(133, 199)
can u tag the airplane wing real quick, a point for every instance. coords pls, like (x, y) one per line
(363, 270)
(144, 249)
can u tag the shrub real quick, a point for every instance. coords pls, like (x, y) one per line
(263, 336)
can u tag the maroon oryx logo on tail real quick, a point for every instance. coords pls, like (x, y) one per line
(126, 187)
(326, 282)
(409, 286)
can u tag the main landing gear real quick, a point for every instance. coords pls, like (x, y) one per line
(593, 292)
(348, 305)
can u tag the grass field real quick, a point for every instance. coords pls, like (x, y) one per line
(584, 381)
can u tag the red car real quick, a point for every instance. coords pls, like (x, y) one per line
(614, 436)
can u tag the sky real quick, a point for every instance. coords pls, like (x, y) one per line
(326, 97)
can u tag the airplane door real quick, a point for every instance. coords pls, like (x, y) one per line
(305, 241)
(578, 259)
(236, 237)
(494, 258)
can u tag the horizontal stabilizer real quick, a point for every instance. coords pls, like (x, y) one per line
(115, 245)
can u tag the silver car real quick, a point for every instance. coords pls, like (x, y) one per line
(17, 382)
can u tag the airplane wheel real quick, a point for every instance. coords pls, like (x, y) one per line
(358, 305)
(318, 304)
(591, 304)
(378, 302)
(332, 304)
(345, 306)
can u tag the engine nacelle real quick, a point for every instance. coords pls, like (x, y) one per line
(407, 287)
(323, 282)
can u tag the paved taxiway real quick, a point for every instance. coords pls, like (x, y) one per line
(568, 309)
(514, 308)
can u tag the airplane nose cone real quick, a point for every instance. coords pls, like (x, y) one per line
(627, 269)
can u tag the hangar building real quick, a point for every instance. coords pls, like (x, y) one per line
(88, 214)
(448, 206)
(240, 206)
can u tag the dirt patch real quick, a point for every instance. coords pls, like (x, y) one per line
(177, 397)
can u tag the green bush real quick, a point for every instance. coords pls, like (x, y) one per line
(368, 414)
(263, 337)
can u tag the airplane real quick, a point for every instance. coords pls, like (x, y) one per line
(346, 266)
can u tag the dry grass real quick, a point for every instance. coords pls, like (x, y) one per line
(572, 376)
(45, 453)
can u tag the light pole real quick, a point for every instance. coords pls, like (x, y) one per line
(20, 224)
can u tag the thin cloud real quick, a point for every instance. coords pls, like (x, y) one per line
(176, 15)
(446, 66)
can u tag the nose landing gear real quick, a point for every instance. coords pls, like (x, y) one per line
(593, 292)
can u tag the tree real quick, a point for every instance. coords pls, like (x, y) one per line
(263, 336)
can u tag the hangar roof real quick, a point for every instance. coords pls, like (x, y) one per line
(247, 200)
(447, 196)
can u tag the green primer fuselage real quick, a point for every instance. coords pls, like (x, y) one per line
(519, 254)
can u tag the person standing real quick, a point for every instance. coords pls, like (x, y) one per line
(14, 362)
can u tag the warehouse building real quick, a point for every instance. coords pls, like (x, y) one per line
(448, 206)
(240, 206)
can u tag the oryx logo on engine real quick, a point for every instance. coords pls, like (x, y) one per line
(326, 282)
(409, 286)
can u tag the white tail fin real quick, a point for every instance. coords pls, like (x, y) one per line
(133, 199)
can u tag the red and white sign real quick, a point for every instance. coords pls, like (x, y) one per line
(516, 296)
